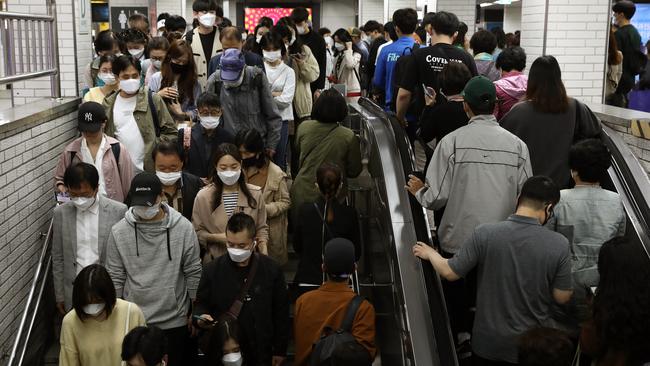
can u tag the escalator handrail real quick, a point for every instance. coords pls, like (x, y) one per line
(45, 260)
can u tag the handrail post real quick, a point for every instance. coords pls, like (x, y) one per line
(56, 78)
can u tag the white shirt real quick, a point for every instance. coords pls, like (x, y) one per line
(87, 157)
(127, 130)
(87, 236)
(381, 48)
(282, 78)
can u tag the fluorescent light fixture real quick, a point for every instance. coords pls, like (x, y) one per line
(483, 5)
(503, 2)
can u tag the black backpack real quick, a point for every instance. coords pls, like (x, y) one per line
(334, 344)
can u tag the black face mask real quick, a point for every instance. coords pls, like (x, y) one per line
(178, 69)
(251, 162)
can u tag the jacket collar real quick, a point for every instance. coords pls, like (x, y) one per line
(484, 119)
(75, 145)
(511, 73)
(331, 286)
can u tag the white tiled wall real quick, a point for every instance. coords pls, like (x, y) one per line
(575, 35)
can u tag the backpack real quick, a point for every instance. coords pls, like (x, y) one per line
(218, 83)
(331, 343)
(398, 71)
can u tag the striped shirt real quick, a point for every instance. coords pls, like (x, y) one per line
(230, 202)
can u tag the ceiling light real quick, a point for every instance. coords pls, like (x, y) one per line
(503, 2)
(483, 5)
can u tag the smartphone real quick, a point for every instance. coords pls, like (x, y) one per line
(61, 197)
(197, 318)
(428, 91)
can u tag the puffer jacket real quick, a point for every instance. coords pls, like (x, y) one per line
(306, 73)
(511, 89)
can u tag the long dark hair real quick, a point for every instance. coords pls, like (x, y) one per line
(252, 142)
(226, 328)
(621, 307)
(188, 79)
(613, 57)
(221, 151)
(285, 27)
(344, 36)
(328, 177)
(545, 88)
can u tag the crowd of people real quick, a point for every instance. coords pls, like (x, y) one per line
(204, 153)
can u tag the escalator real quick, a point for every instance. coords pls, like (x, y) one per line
(411, 318)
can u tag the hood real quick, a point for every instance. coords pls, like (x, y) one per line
(153, 231)
(514, 86)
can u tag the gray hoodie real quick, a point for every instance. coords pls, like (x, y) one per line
(155, 265)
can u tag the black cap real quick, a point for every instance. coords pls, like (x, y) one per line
(90, 117)
(145, 189)
(339, 257)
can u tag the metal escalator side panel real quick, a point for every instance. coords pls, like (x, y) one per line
(420, 334)
(632, 184)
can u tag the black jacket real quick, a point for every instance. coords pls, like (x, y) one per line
(317, 45)
(307, 238)
(264, 318)
(198, 160)
(191, 186)
(372, 57)
(441, 119)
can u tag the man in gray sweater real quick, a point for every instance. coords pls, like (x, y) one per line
(153, 259)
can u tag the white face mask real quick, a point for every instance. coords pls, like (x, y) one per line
(107, 77)
(157, 64)
(207, 19)
(240, 255)
(209, 123)
(303, 29)
(130, 86)
(94, 309)
(146, 213)
(168, 179)
(83, 203)
(244, 36)
(258, 39)
(136, 52)
(272, 56)
(329, 41)
(339, 46)
(229, 177)
(232, 359)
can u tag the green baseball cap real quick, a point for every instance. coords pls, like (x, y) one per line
(479, 91)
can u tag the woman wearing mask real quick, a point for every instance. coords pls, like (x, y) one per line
(137, 117)
(98, 93)
(158, 47)
(329, 52)
(227, 194)
(177, 82)
(226, 345)
(110, 157)
(346, 67)
(282, 80)
(273, 181)
(93, 331)
(260, 30)
(337, 221)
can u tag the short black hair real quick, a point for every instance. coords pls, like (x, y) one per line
(460, 37)
(166, 148)
(299, 14)
(406, 20)
(428, 19)
(123, 62)
(545, 346)
(251, 140)
(453, 78)
(239, 222)
(422, 34)
(175, 23)
(273, 39)
(538, 191)
(137, 16)
(148, 342)
(373, 25)
(81, 173)
(487, 108)
(323, 31)
(93, 282)
(208, 99)
(445, 23)
(158, 43)
(132, 35)
(104, 59)
(207, 5)
(265, 22)
(104, 41)
(511, 58)
(389, 28)
(626, 7)
(501, 37)
(330, 107)
(591, 159)
(162, 16)
(483, 41)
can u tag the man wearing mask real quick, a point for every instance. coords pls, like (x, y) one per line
(246, 99)
(179, 187)
(314, 41)
(261, 307)
(230, 37)
(205, 38)
(374, 31)
(153, 259)
(522, 269)
(80, 230)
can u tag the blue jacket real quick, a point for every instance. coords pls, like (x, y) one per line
(386, 63)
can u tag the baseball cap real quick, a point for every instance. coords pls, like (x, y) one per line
(145, 189)
(90, 117)
(339, 257)
(232, 63)
(479, 92)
